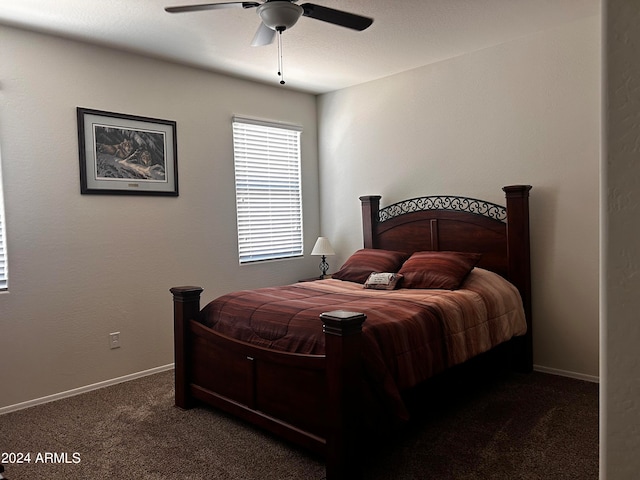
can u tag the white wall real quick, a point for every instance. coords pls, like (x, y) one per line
(82, 266)
(523, 112)
(620, 390)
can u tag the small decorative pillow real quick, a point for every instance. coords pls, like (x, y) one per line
(365, 261)
(383, 281)
(446, 270)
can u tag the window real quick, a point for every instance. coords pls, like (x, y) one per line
(3, 246)
(268, 189)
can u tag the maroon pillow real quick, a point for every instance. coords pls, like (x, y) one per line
(446, 270)
(365, 261)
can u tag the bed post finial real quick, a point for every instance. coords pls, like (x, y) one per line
(186, 306)
(370, 208)
(518, 247)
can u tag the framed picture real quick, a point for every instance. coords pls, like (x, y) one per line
(126, 154)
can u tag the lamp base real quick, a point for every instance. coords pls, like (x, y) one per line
(324, 267)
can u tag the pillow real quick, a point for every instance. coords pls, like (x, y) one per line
(383, 281)
(446, 270)
(365, 261)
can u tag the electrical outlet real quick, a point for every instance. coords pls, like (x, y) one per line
(114, 340)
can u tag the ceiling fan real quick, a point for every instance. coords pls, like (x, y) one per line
(279, 15)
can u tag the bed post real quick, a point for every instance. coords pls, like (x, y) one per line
(518, 250)
(343, 349)
(370, 207)
(186, 306)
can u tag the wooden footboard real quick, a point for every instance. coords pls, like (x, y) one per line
(310, 400)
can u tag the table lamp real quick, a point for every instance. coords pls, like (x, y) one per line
(323, 248)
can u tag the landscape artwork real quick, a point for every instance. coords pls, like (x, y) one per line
(129, 154)
(126, 154)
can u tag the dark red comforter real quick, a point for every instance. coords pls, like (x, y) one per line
(409, 335)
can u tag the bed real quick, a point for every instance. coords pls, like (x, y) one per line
(317, 363)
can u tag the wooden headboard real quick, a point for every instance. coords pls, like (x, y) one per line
(461, 224)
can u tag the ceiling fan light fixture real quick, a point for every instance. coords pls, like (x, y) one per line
(279, 15)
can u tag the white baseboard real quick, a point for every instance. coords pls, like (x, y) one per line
(565, 373)
(85, 389)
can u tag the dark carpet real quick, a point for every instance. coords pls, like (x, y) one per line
(535, 426)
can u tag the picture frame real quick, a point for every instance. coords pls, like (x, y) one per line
(123, 154)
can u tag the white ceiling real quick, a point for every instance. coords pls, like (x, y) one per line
(318, 57)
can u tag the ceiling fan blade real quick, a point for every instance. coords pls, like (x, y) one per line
(264, 36)
(337, 17)
(211, 6)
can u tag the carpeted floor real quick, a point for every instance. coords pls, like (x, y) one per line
(534, 426)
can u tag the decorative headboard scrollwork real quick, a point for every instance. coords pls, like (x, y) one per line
(444, 202)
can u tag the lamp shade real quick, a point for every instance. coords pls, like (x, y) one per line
(322, 247)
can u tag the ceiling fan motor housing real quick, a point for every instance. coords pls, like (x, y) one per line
(279, 14)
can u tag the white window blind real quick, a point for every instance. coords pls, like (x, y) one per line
(3, 245)
(268, 189)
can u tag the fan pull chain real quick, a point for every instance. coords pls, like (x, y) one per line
(280, 65)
